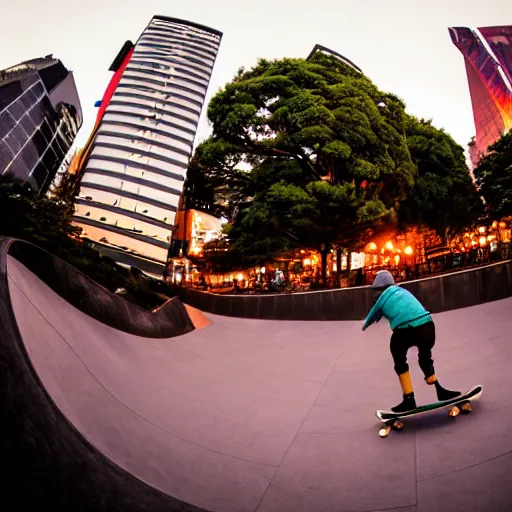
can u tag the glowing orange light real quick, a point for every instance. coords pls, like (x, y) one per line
(389, 246)
(483, 240)
(372, 246)
(481, 229)
(307, 262)
(408, 250)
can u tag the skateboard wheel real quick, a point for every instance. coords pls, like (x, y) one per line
(398, 425)
(454, 411)
(466, 408)
(384, 431)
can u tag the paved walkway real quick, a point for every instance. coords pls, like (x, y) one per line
(250, 415)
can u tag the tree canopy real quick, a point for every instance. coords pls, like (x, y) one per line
(494, 177)
(310, 153)
(42, 221)
(444, 197)
(324, 159)
(47, 223)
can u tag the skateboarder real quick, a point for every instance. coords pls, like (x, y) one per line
(412, 326)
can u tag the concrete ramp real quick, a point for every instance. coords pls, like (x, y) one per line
(252, 415)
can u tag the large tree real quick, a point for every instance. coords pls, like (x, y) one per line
(43, 221)
(319, 119)
(494, 177)
(444, 197)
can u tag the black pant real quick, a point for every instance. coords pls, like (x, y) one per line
(423, 337)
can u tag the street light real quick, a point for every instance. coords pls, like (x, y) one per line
(382, 106)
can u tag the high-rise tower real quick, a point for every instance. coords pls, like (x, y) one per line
(135, 162)
(488, 58)
(40, 115)
(318, 48)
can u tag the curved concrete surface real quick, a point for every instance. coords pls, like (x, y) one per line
(253, 415)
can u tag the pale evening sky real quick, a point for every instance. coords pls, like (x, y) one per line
(403, 46)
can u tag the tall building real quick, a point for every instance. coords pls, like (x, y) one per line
(318, 48)
(40, 115)
(488, 58)
(135, 162)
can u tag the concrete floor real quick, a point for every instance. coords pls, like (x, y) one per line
(251, 415)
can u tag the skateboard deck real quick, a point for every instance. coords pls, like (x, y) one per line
(457, 405)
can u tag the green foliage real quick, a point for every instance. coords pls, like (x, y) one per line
(444, 197)
(46, 223)
(327, 159)
(494, 177)
(321, 113)
(324, 162)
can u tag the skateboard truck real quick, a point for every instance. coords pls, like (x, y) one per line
(392, 425)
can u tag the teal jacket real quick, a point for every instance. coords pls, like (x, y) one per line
(400, 307)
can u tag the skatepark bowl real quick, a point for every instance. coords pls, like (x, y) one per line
(107, 407)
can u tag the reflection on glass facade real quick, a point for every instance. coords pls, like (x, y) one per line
(488, 59)
(137, 157)
(40, 116)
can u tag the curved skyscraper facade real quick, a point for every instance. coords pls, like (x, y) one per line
(135, 163)
(488, 58)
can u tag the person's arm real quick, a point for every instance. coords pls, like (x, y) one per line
(375, 313)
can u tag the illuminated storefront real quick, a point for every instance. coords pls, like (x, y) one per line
(409, 255)
(193, 230)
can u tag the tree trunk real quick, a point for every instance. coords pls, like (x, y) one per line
(338, 265)
(324, 250)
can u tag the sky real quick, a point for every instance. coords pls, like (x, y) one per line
(403, 46)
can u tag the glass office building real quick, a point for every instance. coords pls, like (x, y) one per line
(40, 115)
(135, 163)
(487, 55)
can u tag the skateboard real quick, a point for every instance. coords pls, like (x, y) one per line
(461, 403)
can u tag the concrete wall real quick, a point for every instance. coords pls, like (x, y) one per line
(168, 321)
(442, 293)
